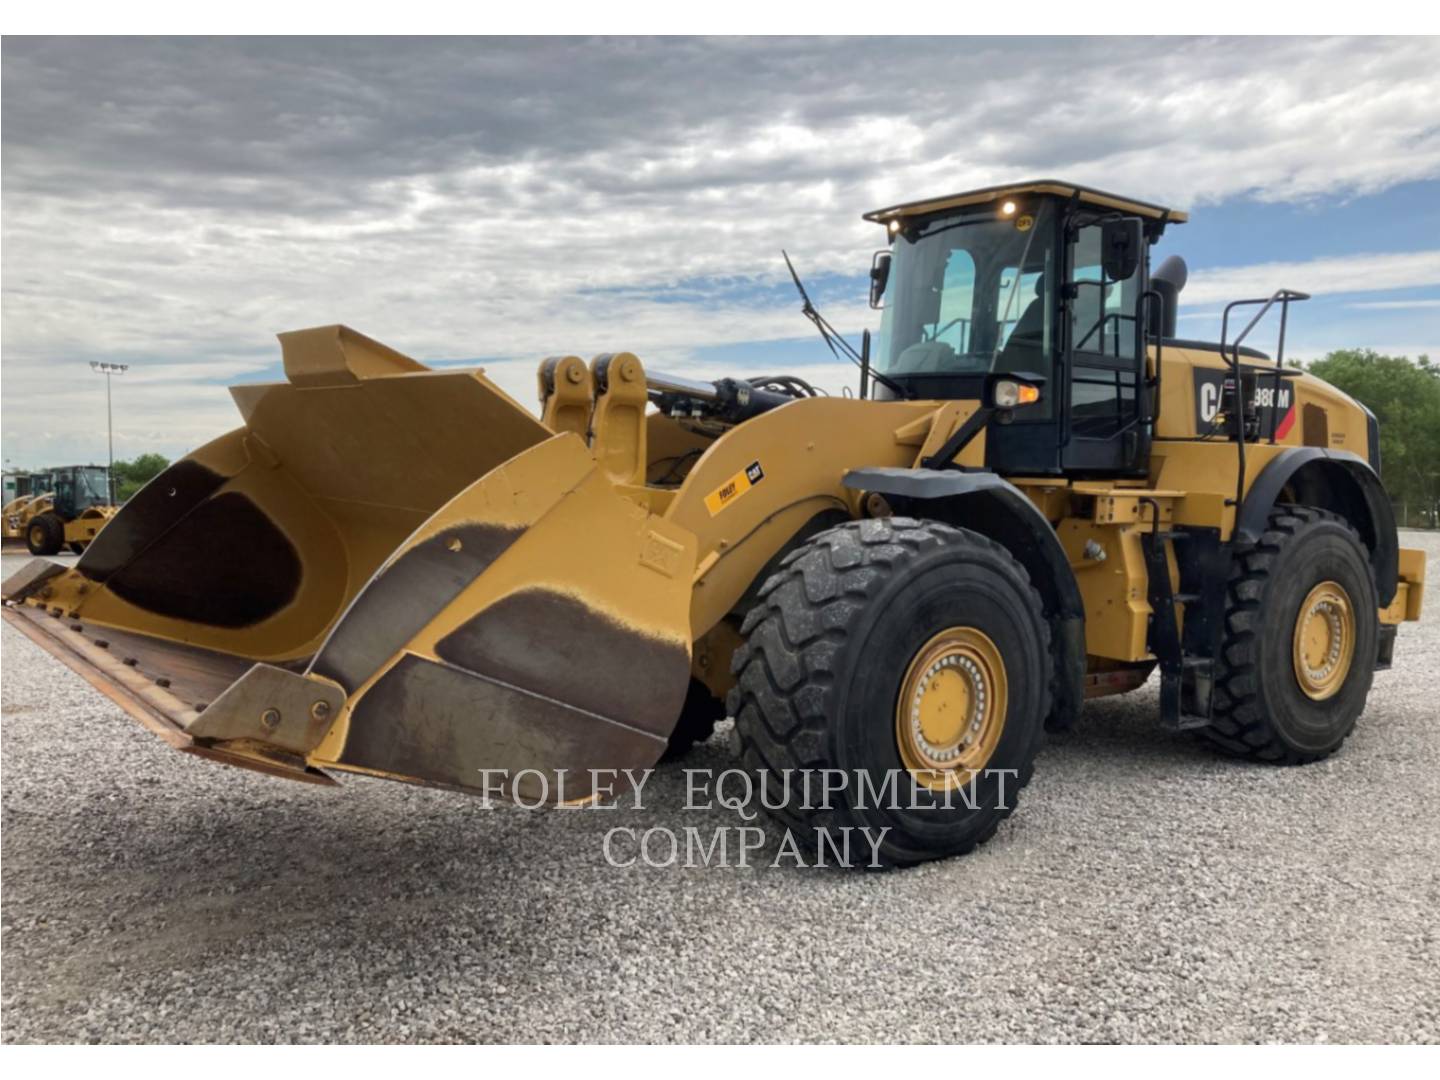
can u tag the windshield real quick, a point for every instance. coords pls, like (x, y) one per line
(80, 489)
(969, 295)
(93, 486)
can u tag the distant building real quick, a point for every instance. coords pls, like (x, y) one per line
(20, 482)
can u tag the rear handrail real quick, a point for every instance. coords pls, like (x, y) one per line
(1283, 297)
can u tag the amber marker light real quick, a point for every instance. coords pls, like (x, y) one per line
(1009, 393)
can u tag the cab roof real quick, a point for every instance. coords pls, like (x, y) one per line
(1088, 195)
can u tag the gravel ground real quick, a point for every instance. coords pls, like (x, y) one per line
(1145, 891)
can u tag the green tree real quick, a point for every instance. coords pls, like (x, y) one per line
(131, 476)
(1405, 398)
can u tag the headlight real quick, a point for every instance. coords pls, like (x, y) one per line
(1008, 393)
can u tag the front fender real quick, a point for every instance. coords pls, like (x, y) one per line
(996, 508)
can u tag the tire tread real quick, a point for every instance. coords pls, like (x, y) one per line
(795, 637)
(1240, 727)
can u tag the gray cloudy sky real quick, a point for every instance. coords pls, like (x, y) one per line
(174, 203)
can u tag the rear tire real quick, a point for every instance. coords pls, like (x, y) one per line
(838, 632)
(45, 534)
(1308, 574)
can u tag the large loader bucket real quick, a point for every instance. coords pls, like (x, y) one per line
(388, 570)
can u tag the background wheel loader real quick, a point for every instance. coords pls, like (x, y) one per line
(69, 515)
(33, 491)
(1041, 496)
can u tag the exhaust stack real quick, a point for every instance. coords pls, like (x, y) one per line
(1168, 279)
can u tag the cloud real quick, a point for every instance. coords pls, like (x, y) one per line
(1319, 277)
(174, 202)
(1394, 305)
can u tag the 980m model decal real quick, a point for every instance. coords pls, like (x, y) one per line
(1268, 402)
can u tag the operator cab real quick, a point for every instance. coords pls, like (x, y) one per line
(1045, 280)
(79, 487)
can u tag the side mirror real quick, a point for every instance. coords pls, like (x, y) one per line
(1121, 242)
(879, 275)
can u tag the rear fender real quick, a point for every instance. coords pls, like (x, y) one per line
(1334, 480)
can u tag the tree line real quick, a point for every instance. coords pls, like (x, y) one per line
(132, 475)
(1404, 395)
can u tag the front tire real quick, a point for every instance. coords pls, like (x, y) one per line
(45, 534)
(894, 648)
(1302, 631)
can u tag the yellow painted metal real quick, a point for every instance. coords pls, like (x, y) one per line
(713, 652)
(618, 425)
(19, 513)
(347, 466)
(87, 525)
(1113, 586)
(1394, 614)
(567, 395)
(339, 356)
(1035, 187)
(632, 567)
(1410, 596)
(804, 449)
(951, 709)
(12, 523)
(1323, 642)
(673, 450)
(948, 418)
(1346, 426)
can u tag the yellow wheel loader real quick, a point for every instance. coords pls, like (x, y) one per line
(70, 515)
(1040, 496)
(34, 495)
(18, 511)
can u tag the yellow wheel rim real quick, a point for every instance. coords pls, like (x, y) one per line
(951, 710)
(1324, 640)
(37, 535)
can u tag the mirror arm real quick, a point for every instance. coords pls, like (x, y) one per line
(945, 456)
(865, 364)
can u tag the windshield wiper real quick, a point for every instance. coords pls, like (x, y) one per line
(832, 337)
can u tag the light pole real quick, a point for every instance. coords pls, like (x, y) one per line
(107, 370)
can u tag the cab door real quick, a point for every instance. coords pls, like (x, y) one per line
(1105, 429)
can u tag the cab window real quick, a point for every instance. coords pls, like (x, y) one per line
(1102, 313)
